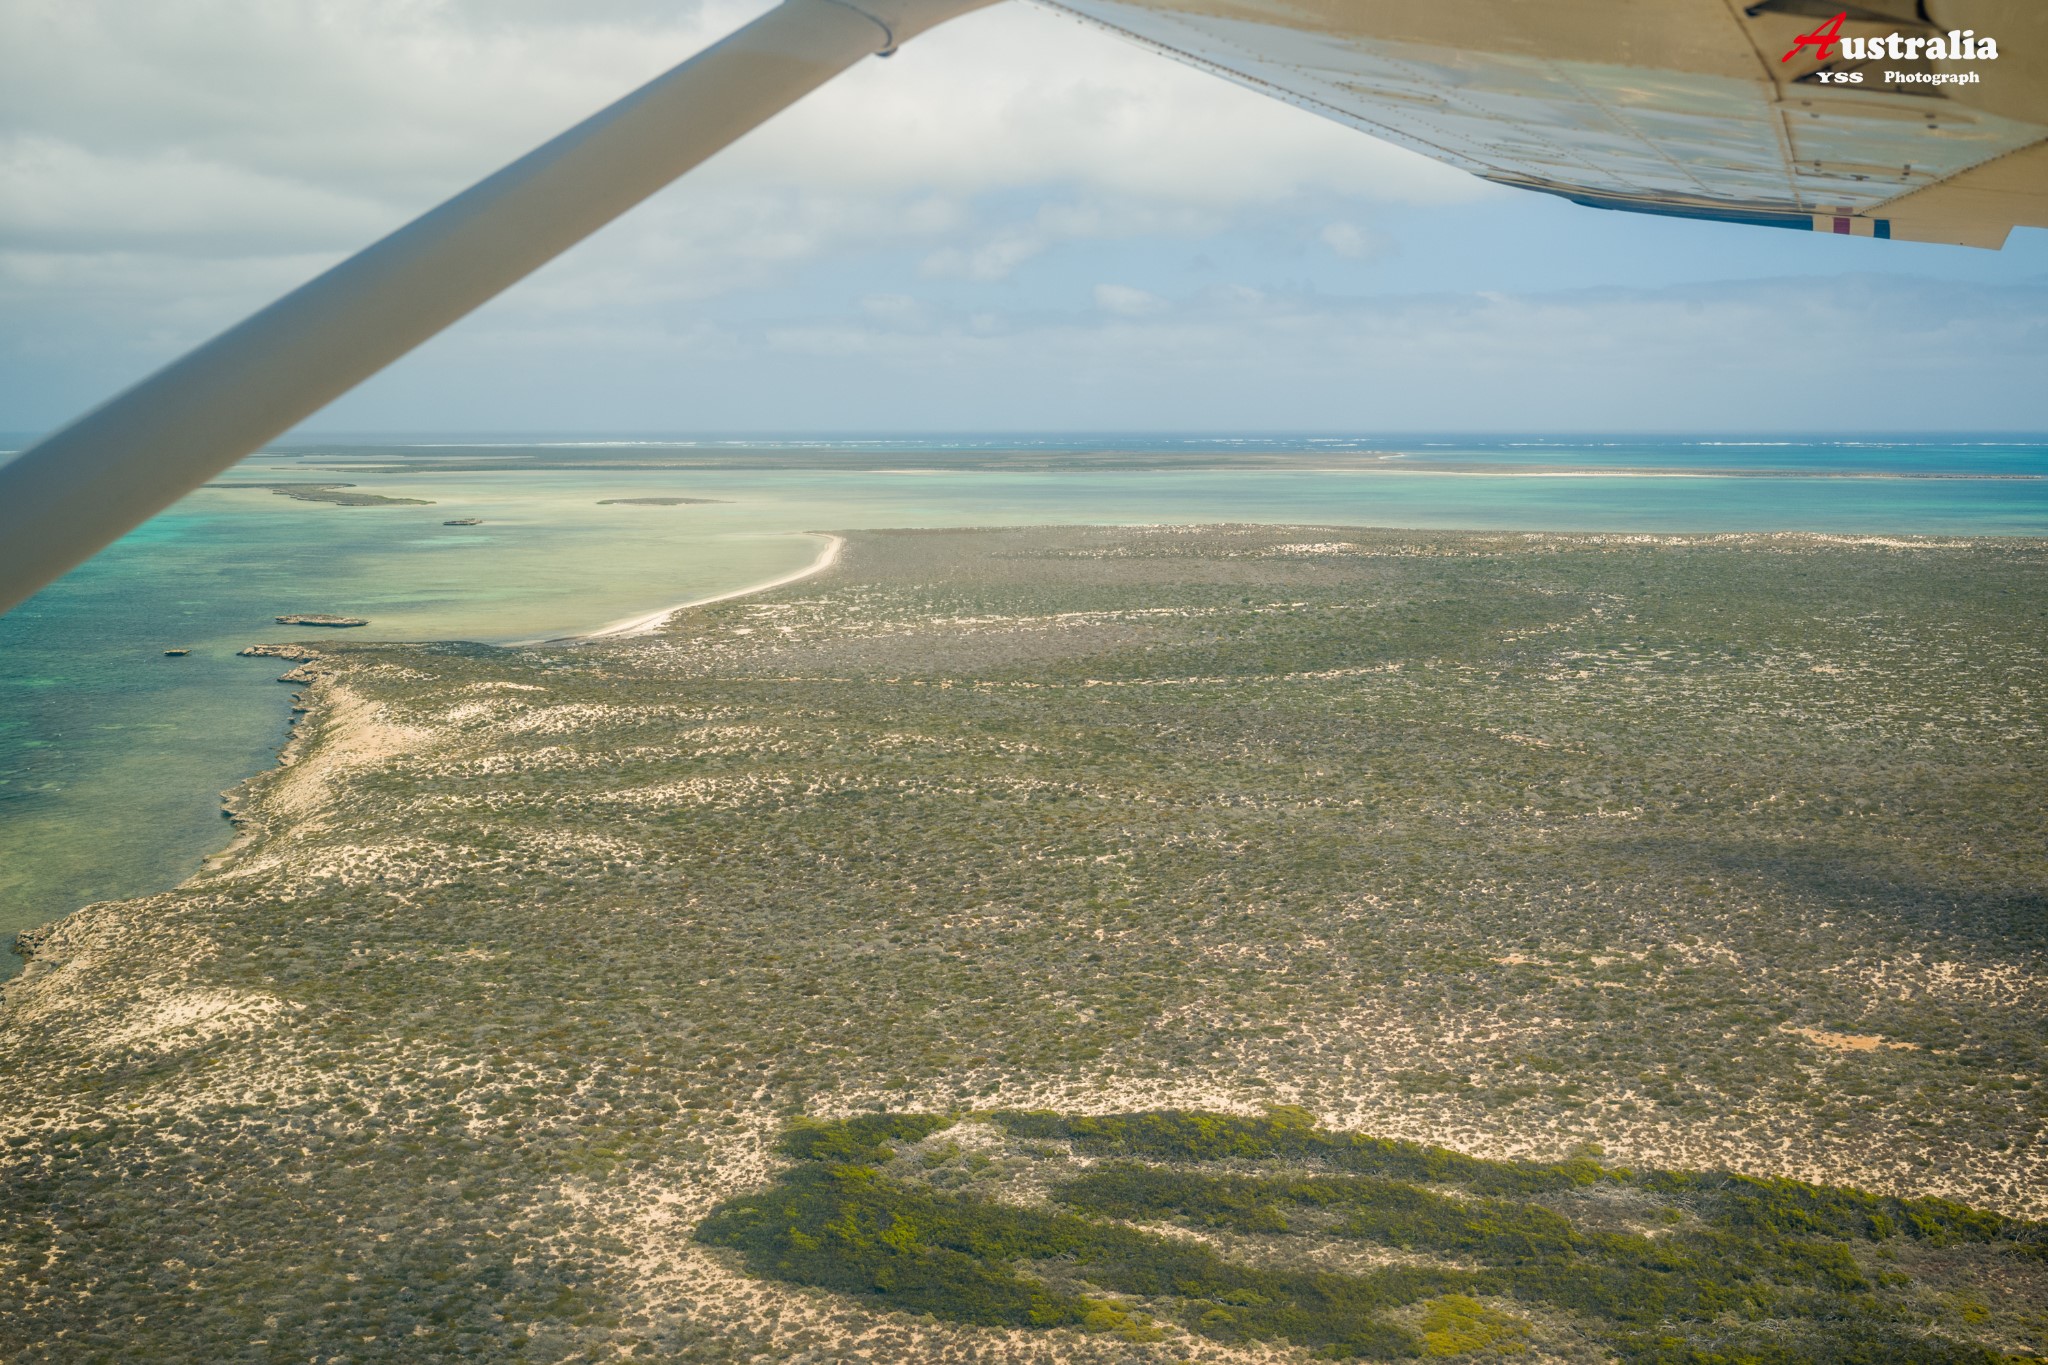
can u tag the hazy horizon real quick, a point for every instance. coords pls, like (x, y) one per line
(13, 441)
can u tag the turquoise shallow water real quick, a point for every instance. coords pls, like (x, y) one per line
(111, 754)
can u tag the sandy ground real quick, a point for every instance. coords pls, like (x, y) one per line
(828, 555)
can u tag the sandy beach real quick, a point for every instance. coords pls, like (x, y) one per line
(828, 555)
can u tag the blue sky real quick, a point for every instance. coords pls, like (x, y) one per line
(1017, 223)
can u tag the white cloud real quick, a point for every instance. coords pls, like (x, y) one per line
(993, 259)
(249, 107)
(1348, 240)
(996, 254)
(168, 165)
(1239, 359)
(899, 310)
(1016, 95)
(1120, 300)
(57, 196)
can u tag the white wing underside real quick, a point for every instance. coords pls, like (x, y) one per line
(1672, 106)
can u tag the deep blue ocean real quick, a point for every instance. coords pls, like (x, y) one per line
(112, 753)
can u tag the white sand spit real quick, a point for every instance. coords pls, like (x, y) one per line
(653, 621)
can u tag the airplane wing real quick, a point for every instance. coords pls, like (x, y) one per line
(1700, 108)
(1922, 119)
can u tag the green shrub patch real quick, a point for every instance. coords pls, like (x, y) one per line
(1136, 1228)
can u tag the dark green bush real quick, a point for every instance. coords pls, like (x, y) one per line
(862, 1138)
(1733, 1270)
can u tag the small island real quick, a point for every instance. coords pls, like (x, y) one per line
(316, 619)
(660, 502)
(339, 494)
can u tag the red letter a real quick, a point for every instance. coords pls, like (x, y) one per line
(1821, 39)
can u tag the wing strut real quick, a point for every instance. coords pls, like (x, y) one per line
(128, 459)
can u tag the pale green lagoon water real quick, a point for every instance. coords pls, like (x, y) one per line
(112, 755)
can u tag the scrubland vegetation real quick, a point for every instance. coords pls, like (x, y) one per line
(1650, 1265)
(1716, 854)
